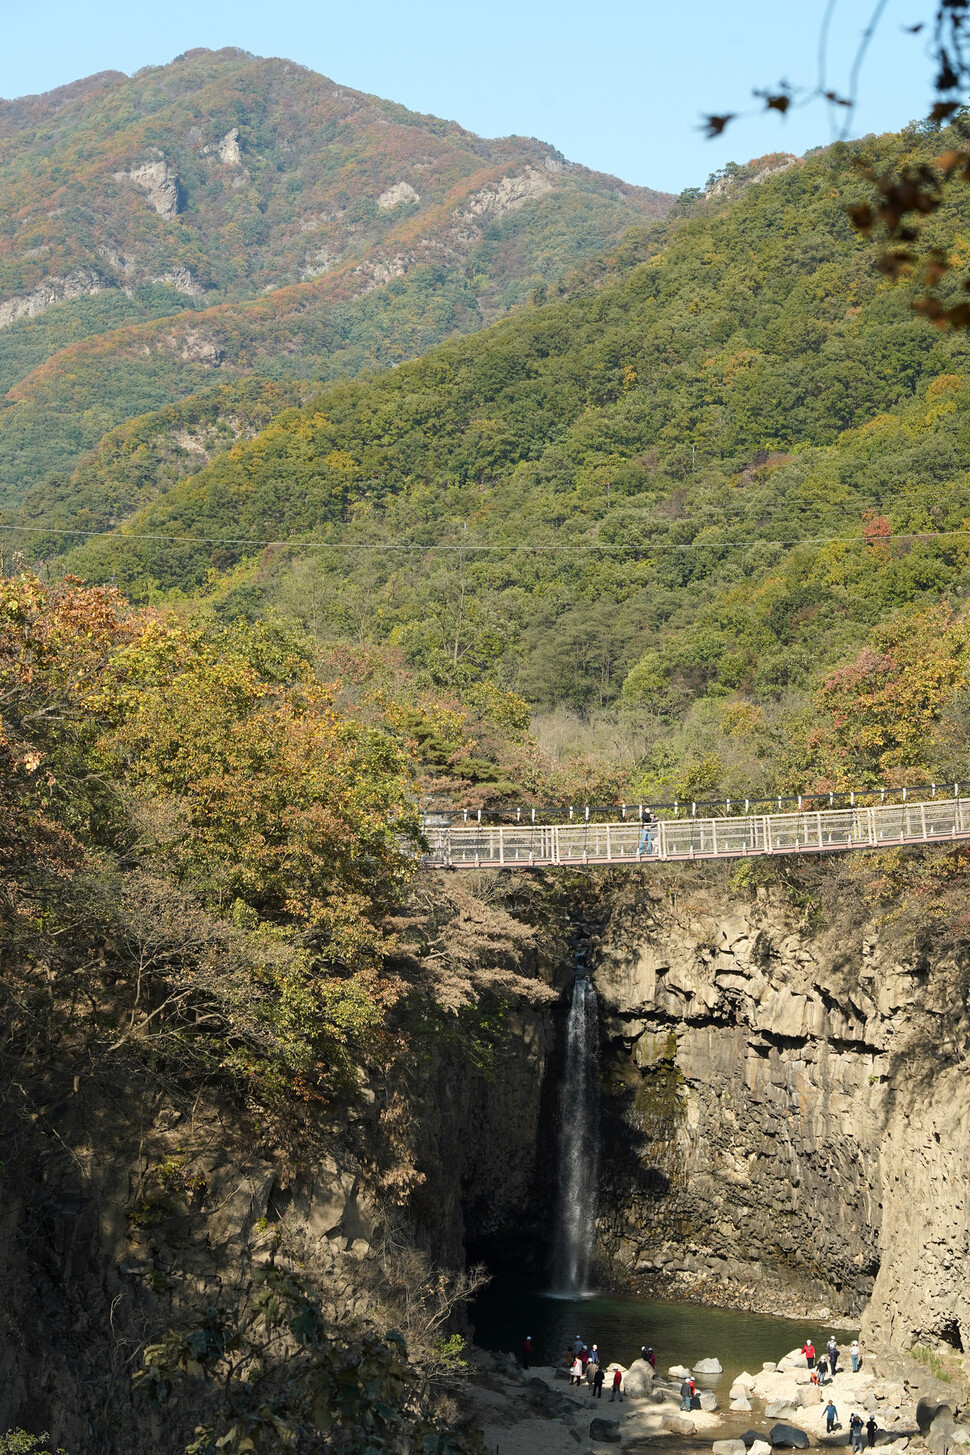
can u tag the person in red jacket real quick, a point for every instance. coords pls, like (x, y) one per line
(808, 1349)
(617, 1385)
(527, 1351)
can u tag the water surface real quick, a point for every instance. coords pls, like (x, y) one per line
(681, 1333)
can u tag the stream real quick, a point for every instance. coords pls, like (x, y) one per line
(681, 1333)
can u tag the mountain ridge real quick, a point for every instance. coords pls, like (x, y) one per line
(266, 200)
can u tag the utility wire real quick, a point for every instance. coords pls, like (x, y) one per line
(463, 546)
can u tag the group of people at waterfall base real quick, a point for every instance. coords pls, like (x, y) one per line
(586, 1366)
(824, 1369)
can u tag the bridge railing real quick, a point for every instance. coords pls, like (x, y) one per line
(519, 846)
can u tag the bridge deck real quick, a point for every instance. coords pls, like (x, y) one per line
(522, 846)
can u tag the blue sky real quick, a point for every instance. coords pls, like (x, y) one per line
(617, 85)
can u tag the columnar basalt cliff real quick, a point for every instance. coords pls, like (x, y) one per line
(788, 1104)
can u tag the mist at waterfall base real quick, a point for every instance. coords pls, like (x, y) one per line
(681, 1333)
(578, 1145)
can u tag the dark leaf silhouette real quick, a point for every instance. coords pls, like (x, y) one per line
(714, 125)
(942, 110)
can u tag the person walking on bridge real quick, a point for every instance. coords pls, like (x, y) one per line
(645, 845)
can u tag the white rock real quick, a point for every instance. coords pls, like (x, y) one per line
(677, 1371)
(708, 1400)
(741, 1405)
(394, 196)
(744, 1378)
(770, 1368)
(728, 1447)
(759, 1447)
(638, 1380)
(708, 1366)
(679, 1425)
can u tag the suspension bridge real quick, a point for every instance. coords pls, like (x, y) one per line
(644, 840)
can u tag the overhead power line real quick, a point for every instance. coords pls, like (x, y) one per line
(469, 547)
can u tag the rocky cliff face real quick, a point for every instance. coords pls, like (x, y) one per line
(788, 1110)
(119, 1213)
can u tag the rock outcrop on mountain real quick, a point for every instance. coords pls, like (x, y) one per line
(789, 1105)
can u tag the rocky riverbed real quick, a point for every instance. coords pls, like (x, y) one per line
(537, 1411)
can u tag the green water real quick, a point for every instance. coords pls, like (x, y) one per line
(681, 1333)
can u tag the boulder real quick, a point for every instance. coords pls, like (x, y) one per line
(744, 1378)
(679, 1425)
(708, 1400)
(927, 1411)
(809, 1394)
(751, 1437)
(728, 1447)
(606, 1430)
(741, 1406)
(677, 1371)
(961, 1436)
(769, 1368)
(788, 1437)
(779, 1409)
(760, 1447)
(795, 1360)
(708, 1366)
(638, 1380)
(940, 1435)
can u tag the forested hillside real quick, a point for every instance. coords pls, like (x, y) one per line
(274, 220)
(675, 495)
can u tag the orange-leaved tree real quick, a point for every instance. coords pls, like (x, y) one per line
(55, 645)
(873, 720)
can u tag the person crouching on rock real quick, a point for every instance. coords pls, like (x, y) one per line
(598, 1378)
(686, 1394)
(576, 1372)
(831, 1416)
(617, 1385)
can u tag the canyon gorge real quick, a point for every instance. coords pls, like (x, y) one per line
(782, 1127)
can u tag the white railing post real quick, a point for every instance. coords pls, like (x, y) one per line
(609, 850)
(501, 846)
(922, 815)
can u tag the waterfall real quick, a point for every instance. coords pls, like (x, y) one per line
(579, 1144)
